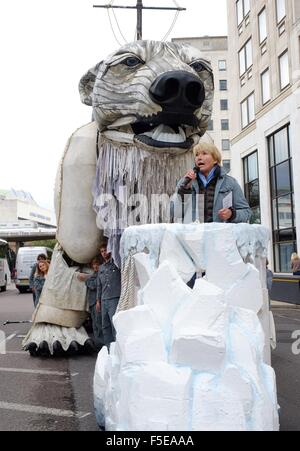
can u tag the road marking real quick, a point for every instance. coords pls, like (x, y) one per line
(10, 337)
(288, 317)
(42, 410)
(42, 372)
(17, 352)
(21, 336)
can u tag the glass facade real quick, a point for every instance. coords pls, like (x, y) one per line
(223, 85)
(282, 197)
(224, 124)
(265, 87)
(281, 10)
(262, 26)
(251, 186)
(224, 104)
(242, 10)
(245, 57)
(248, 111)
(284, 70)
(226, 165)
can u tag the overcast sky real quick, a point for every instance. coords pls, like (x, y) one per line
(46, 46)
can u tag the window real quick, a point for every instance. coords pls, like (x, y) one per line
(282, 198)
(281, 11)
(248, 110)
(284, 70)
(251, 186)
(224, 124)
(224, 104)
(242, 10)
(245, 57)
(262, 26)
(210, 126)
(225, 144)
(223, 85)
(222, 65)
(226, 166)
(265, 86)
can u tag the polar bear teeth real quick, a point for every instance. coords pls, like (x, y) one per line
(166, 134)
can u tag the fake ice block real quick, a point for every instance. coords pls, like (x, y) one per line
(164, 293)
(199, 330)
(247, 292)
(162, 394)
(143, 268)
(173, 252)
(192, 359)
(143, 346)
(215, 407)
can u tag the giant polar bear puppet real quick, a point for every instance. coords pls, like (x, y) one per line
(151, 103)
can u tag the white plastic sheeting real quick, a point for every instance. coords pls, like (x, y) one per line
(192, 359)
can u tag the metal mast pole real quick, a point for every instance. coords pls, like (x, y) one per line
(139, 8)
(139, 22)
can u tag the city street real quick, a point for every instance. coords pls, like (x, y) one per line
(287, 365)
(56, 394)
(36, 393)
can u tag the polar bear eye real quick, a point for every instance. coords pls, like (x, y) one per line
(132, 61)
(198, 66)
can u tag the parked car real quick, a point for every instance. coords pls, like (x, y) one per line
(26, 259)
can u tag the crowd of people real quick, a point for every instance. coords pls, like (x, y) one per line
(224, 201)
(103, 294)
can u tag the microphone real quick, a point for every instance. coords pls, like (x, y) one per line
(187, 180)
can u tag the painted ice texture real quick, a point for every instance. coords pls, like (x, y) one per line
(186, 359)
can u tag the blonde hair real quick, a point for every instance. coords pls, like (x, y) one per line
(294, 256)
(38, 271)
(211, 149)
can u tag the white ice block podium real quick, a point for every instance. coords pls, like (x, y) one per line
(190, 359)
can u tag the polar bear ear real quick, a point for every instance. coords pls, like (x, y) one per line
(86, 85)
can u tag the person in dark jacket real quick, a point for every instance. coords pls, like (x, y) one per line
(39, 279)
(91, 284)
(108, 294)
(40, 258)
(222, 197)
(207, 194)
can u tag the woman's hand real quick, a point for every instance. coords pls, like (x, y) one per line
(98, 306)
(225, 214)
(83, 276)
(191, 175)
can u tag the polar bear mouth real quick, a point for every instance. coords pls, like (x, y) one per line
(166, 130)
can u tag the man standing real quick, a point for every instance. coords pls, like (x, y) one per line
(108, 294)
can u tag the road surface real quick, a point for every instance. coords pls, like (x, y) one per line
(40, 393)
(56, 394)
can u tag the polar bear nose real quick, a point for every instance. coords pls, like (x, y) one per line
(178, 90)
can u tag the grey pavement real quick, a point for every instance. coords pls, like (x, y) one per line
(47, 394)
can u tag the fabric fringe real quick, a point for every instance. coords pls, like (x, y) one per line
(51, 333)
(143, 172)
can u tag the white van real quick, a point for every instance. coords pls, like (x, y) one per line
(26, 259)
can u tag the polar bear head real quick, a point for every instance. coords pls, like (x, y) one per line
(159, 94)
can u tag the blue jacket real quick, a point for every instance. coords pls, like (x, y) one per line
(186, 206)
(38, 284)
(108, 281)
(91, 284)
